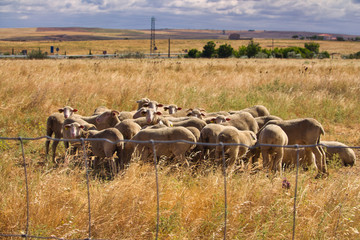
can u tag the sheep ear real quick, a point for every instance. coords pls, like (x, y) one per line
(158, 113)
(189, 114)
(75, 110)
(202, 114)
(67, 126)
(145, 105)
(227, 119)
(82, 126)
(159, 105)
(190, 109)
(179, 108)
(61, 110)
(166, 108)
(213, 120)
(115, 113)
(202, 110)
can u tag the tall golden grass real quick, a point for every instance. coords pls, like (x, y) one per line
(191, 205)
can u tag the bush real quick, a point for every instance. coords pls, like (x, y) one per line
(323, 55)
(193, 53)
(225, 51)
(313, 47)
(253, 49)
(209, 50)
(37, 54)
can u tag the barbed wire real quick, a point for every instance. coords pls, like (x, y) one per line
(26, 234)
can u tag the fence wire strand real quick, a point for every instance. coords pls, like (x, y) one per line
(26, 234)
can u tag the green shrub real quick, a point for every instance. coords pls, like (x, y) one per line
(193, 53)
(209, 50)
(225, 51)
(37, 54)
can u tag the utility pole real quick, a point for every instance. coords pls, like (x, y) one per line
(169, 49)
(152, 37)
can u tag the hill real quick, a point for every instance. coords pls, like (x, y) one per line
(84, 34)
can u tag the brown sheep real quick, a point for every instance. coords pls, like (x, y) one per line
(272, 155)
(340, 150)
(54, 125)
(305, 131)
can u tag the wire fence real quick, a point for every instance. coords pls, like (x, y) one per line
(26, 234)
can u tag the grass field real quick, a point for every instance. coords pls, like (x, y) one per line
(129, 43)
(191, 207)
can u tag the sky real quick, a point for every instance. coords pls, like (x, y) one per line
(326, 16)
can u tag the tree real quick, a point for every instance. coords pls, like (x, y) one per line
(209, 49)
(314, 47)
(225, 51)
(193, 53)
(253, 49)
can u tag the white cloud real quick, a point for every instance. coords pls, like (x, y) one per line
(271, 13)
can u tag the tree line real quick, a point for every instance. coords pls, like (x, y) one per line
(254, 50)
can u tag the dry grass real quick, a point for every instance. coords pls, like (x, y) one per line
(142, 45)
(191, 207)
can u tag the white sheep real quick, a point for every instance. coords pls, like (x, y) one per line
(255, 111)
(242, 140)
(272, 155)
(242, 121)
(305, 131)
(54, 125)
(176, 149)
(101, 148)
(334, 149)
(128, 128)
(172, 108)
(261, 121)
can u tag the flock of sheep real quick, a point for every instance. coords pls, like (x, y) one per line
(196, 136)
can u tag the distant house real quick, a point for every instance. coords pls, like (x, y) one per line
(326, 36)
(234, 36)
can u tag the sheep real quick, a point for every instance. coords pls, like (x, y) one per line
(196, 112)
(218, 119)
(209, 134)
(261, 121)
(289, 159)
(153, 105)
(106, 119)
(141, 102)
(151, 118)
(172, 108)
(176, 149)
(340, 150)
(272, 156)
(306, 131)
(67, 134)
(101, 148)
(242, 121)
(99, 110)
(191, 122)
(128, 128)
(234, 136)
(255, 111)
(54, 126)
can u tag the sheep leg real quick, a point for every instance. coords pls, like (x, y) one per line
(277, 161)
(320, 160)
(266, 159)
(49, 132)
